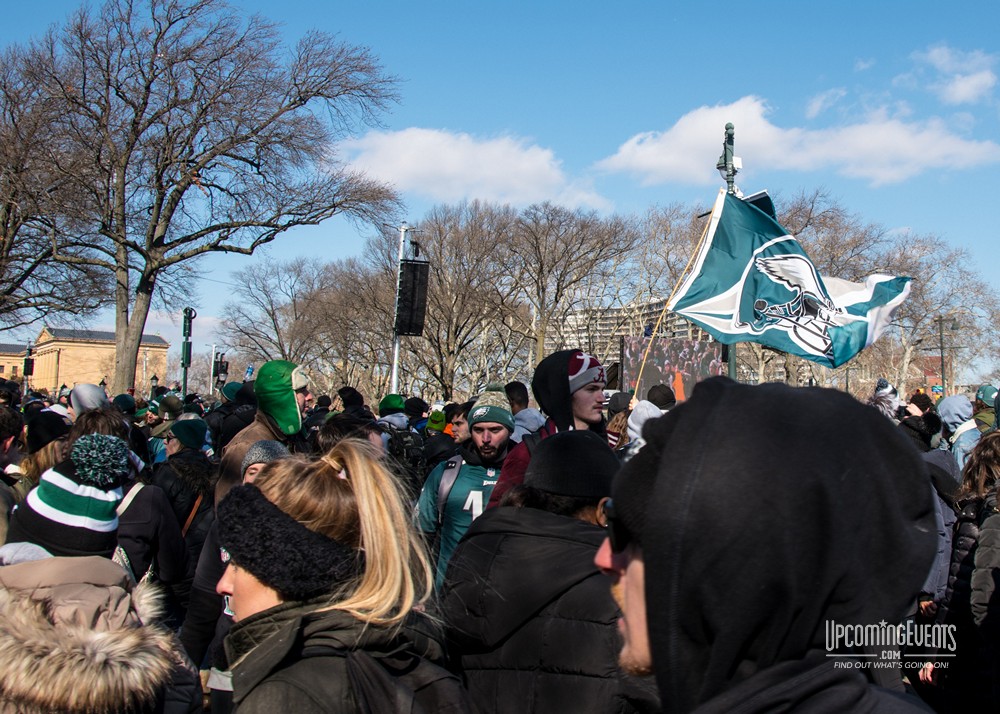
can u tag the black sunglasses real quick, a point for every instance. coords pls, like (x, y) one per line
(618, 535)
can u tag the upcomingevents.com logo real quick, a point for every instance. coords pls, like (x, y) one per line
(884, 645)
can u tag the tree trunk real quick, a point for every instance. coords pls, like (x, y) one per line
(540, 330)
(791, 374)
(128, 330)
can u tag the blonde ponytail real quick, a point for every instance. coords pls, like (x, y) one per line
(349, 495)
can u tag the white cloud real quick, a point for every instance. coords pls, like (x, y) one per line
(883, 148)
(967, 88)
(449, 167)
(823, 101)
(957, 77)
(863, 64)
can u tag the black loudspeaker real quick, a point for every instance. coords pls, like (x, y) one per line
(411, 300)
(29, 366)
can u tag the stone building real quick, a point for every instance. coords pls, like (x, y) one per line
(67, 357)
(11, 360)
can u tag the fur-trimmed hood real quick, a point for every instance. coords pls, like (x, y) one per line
(73, 638)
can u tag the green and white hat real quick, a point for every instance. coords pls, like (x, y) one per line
(73, 510)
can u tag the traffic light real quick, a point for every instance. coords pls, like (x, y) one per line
(220, 369)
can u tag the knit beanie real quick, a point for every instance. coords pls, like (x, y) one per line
(324, 402)
(573, 463)
(436, 421)
(190, 432)
(351, 397)
(275, 388)
(584, 369)
(643, 412)
(264, 452)
(662, 396)
(492, 407)
(125, 403)
(278, 550)
(618, 402)
(414, 407)
(87, 397)
(72, 511)
(391, 404)
(44, 427)
(230, 389)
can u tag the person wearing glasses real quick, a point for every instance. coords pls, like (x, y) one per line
(754, 519)
(527, 612)
(187, 478)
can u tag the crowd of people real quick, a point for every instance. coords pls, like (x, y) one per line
(278, 550)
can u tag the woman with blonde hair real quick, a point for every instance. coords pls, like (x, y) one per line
(324, 575)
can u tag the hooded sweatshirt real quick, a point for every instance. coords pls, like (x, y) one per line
(956, 415)
(751, 505)
(550, 385)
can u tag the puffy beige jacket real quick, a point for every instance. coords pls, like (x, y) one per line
(73, 638)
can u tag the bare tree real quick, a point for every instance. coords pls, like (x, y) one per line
(557, 254)
(467, 296)
(33, 285)
(202, 134)
(274, 315)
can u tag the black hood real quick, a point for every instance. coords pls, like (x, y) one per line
(511, 563)
(550, 385)
(764, 512)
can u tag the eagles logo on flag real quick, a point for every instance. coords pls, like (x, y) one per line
(752, 282)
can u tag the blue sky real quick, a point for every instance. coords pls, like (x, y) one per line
(892, 107)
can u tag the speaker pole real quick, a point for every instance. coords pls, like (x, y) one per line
(394, 381)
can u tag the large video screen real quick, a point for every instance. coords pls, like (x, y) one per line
(680, 364)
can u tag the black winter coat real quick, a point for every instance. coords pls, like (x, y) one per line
(968, 681)
(532, 618)
(150, 536)
(184, 477)
(972, 513)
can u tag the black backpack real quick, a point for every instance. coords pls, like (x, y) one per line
(399, 682)
(406, 448)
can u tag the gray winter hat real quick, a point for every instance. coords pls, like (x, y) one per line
(263, 452)
(87, 397)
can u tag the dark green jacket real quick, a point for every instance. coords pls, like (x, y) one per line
(295, 659)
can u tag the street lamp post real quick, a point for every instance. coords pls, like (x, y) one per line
(954, 326)
(154, 382)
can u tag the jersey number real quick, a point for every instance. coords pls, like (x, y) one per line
(474, 503)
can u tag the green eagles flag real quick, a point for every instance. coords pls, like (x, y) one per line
(752, 282)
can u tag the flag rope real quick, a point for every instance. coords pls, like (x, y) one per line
(659, 320)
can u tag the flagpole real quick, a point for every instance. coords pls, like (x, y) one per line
(727, 167)
(663, 312)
